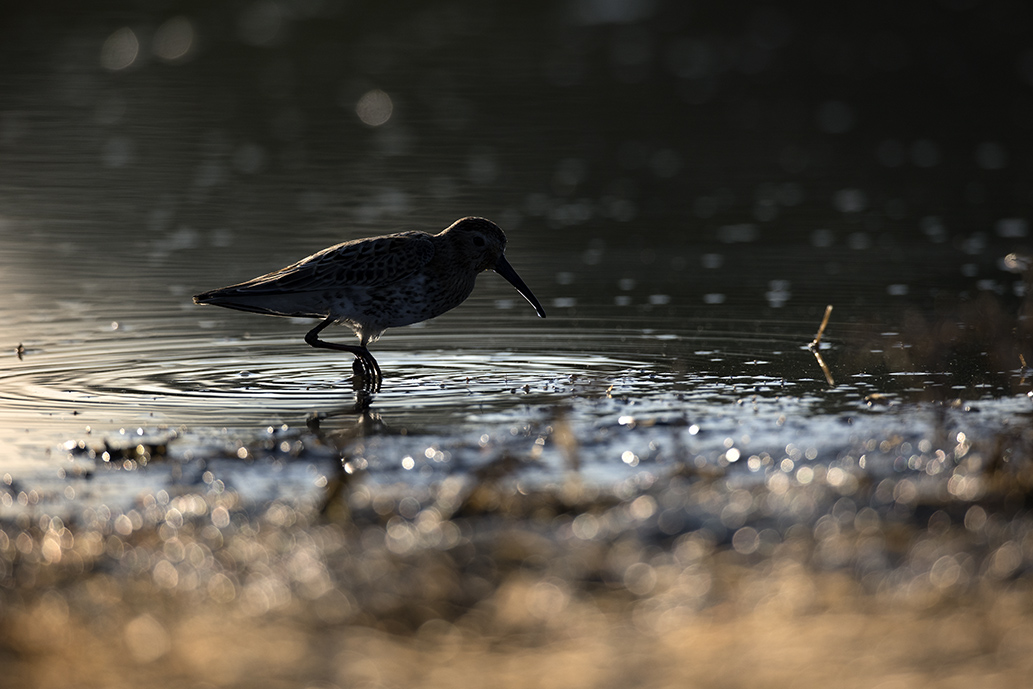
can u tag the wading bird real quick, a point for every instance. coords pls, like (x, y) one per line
(378, 283)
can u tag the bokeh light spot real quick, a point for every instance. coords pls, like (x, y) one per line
(174, 40)
(746, 540)
(990, 155)
(374, 108)
(119, 50)
(146, 639)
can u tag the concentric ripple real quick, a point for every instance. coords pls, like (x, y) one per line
(241, 383)
(432, 377)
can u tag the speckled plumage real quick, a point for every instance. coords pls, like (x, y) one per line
(378, 283)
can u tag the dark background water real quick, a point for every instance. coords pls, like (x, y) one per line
(840, 150)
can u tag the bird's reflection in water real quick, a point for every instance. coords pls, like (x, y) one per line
(339, 428)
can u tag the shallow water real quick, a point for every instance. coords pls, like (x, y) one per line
(684, 188)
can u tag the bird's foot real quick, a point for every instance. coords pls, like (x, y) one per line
(367, 373)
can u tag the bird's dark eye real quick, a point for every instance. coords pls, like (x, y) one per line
(478, 240)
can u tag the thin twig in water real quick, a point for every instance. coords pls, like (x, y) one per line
(815, 345)
(821, 328)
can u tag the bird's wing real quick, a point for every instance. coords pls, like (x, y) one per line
(362, 262)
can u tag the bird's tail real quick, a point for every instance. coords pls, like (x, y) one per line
(270, 303)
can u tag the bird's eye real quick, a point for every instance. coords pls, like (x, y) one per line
(478, 240)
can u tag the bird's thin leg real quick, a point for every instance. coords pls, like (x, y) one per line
(369, 366)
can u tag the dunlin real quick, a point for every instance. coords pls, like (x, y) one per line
(378, 283)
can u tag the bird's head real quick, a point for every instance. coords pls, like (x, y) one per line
(483, 244)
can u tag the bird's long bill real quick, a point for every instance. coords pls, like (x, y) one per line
(503, 268)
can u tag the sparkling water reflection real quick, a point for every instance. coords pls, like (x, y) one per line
(634, 401)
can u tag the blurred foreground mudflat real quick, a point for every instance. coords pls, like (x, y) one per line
(692, 578)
